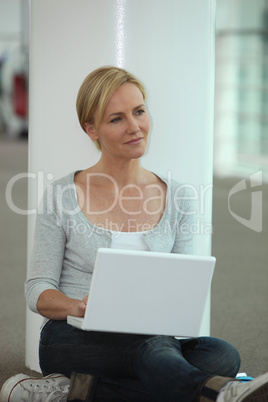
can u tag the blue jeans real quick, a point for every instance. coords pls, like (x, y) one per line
(136, 367)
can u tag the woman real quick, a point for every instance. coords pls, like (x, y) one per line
(115, 203)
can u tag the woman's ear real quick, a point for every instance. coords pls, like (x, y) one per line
(90, 130)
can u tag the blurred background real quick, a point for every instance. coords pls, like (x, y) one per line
(241, 90)
(14, 67)
(239, 291)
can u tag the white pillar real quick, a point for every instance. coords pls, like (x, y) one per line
(169, 46)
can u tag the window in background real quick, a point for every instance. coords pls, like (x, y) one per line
(241, 88)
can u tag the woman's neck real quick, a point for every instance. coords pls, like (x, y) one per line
(123, 172)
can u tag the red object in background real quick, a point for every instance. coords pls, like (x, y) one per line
(20, 95)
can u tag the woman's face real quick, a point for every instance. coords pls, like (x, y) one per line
(124, 127)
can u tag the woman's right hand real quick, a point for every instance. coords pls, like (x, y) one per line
(79, 307)
(55, 305)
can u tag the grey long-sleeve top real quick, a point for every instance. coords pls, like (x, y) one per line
(66, 243)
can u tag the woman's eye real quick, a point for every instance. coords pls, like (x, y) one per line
(140, 111)
(116, 120)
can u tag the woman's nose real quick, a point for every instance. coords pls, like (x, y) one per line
(133, 126)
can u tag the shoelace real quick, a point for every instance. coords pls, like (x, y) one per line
(50, 392)
(59, 395)
(233, 389)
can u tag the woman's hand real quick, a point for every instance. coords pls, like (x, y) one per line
(79, 307)
(55, 305)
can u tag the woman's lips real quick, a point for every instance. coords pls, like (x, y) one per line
(135, 141)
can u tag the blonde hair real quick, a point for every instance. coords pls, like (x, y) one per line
(96, 91)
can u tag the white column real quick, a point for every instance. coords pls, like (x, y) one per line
(167, 44)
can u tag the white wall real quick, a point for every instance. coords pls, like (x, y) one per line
(169, 45)
(10, 22)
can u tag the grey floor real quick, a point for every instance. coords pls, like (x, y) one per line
(239, 290)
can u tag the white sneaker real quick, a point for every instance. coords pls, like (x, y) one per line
(53, 388)
(251, 391)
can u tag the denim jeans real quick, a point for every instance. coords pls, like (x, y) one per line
(136, 367)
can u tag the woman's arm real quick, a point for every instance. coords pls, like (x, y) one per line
(42, 288)
(55, 305)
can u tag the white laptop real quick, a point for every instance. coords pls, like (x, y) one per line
(145, 292)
